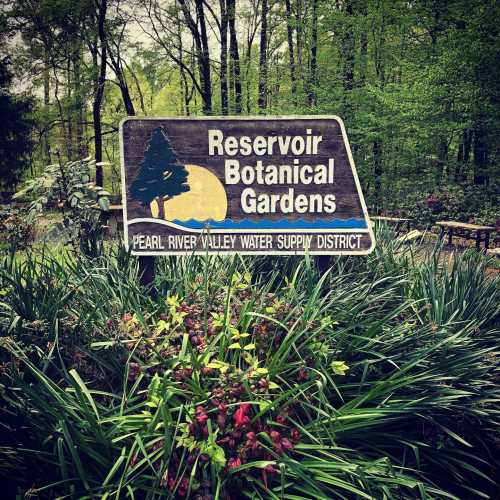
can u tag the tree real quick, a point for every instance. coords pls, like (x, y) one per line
(223, 57)
(99, 88)
(198, 30)
(262, 100)
(235, 55)
(15, 129)
(160, 176)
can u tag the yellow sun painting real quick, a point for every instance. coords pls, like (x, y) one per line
(206, 198)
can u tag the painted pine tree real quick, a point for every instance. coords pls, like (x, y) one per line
(160, 176)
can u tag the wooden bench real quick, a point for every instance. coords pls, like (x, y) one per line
(466, 231)
(396, 221)
(493, 252)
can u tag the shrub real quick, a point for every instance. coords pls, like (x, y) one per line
(68, 188)
(376, 381)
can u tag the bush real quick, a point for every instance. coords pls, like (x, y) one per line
(68, 188)
(465, 203)
(16, 229)
(376, 381)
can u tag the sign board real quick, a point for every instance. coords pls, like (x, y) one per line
(252, 185)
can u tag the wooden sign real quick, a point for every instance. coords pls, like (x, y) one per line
(253, 185)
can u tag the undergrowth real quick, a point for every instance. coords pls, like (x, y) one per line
(250, 377)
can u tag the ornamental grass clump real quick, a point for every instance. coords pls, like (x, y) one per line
(376, 380)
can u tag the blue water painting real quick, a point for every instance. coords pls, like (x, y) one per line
(274, 224)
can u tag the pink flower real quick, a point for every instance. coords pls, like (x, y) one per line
(281, 419)
(134, 370)
(275, 435)
(251, 436)
(233, 463)
(201, 416)
(240, 415)
(221, 420)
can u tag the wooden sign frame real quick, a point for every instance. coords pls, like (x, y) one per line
(365, 232)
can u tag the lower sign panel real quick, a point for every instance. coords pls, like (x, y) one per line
(247, 185)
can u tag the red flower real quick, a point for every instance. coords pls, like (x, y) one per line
(275, 435)
(281, 419)
(296, 435)
(302, 374)
(134, 370)
(287, 444)
(251, 436)
(201, 416)
(233, 463)
(240, 415)
(221, 420)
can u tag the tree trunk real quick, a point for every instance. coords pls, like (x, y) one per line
(70, 109)
(223, 57)
(261, 102)
(348, 48)
(314, 64)
(377, 170)
(463, 156)
(298, 40)
(46, 102)
(205, 66)
(79, 103)
(480, 150)
(291, 55)
(363, 51)
(377, 143)
(99, 91)
(235, 55)
(115, 61)
(443, 147)
(202, 51)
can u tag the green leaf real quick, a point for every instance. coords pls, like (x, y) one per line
(339, 367)
(104, 204)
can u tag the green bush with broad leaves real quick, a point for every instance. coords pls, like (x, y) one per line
(68, 188)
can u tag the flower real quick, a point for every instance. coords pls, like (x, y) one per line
(233, 463)
(201, 416)
(275, 435)
(127, 317)
(240, 415)
(281, 419)
(134, 370)
(296, 435)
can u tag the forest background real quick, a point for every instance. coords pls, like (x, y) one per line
(416, 82)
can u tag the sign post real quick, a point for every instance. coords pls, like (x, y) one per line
(249, 185)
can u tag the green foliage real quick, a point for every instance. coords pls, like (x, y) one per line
(16, 229)
(377, 380)
(15, 128)
(82, 203)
